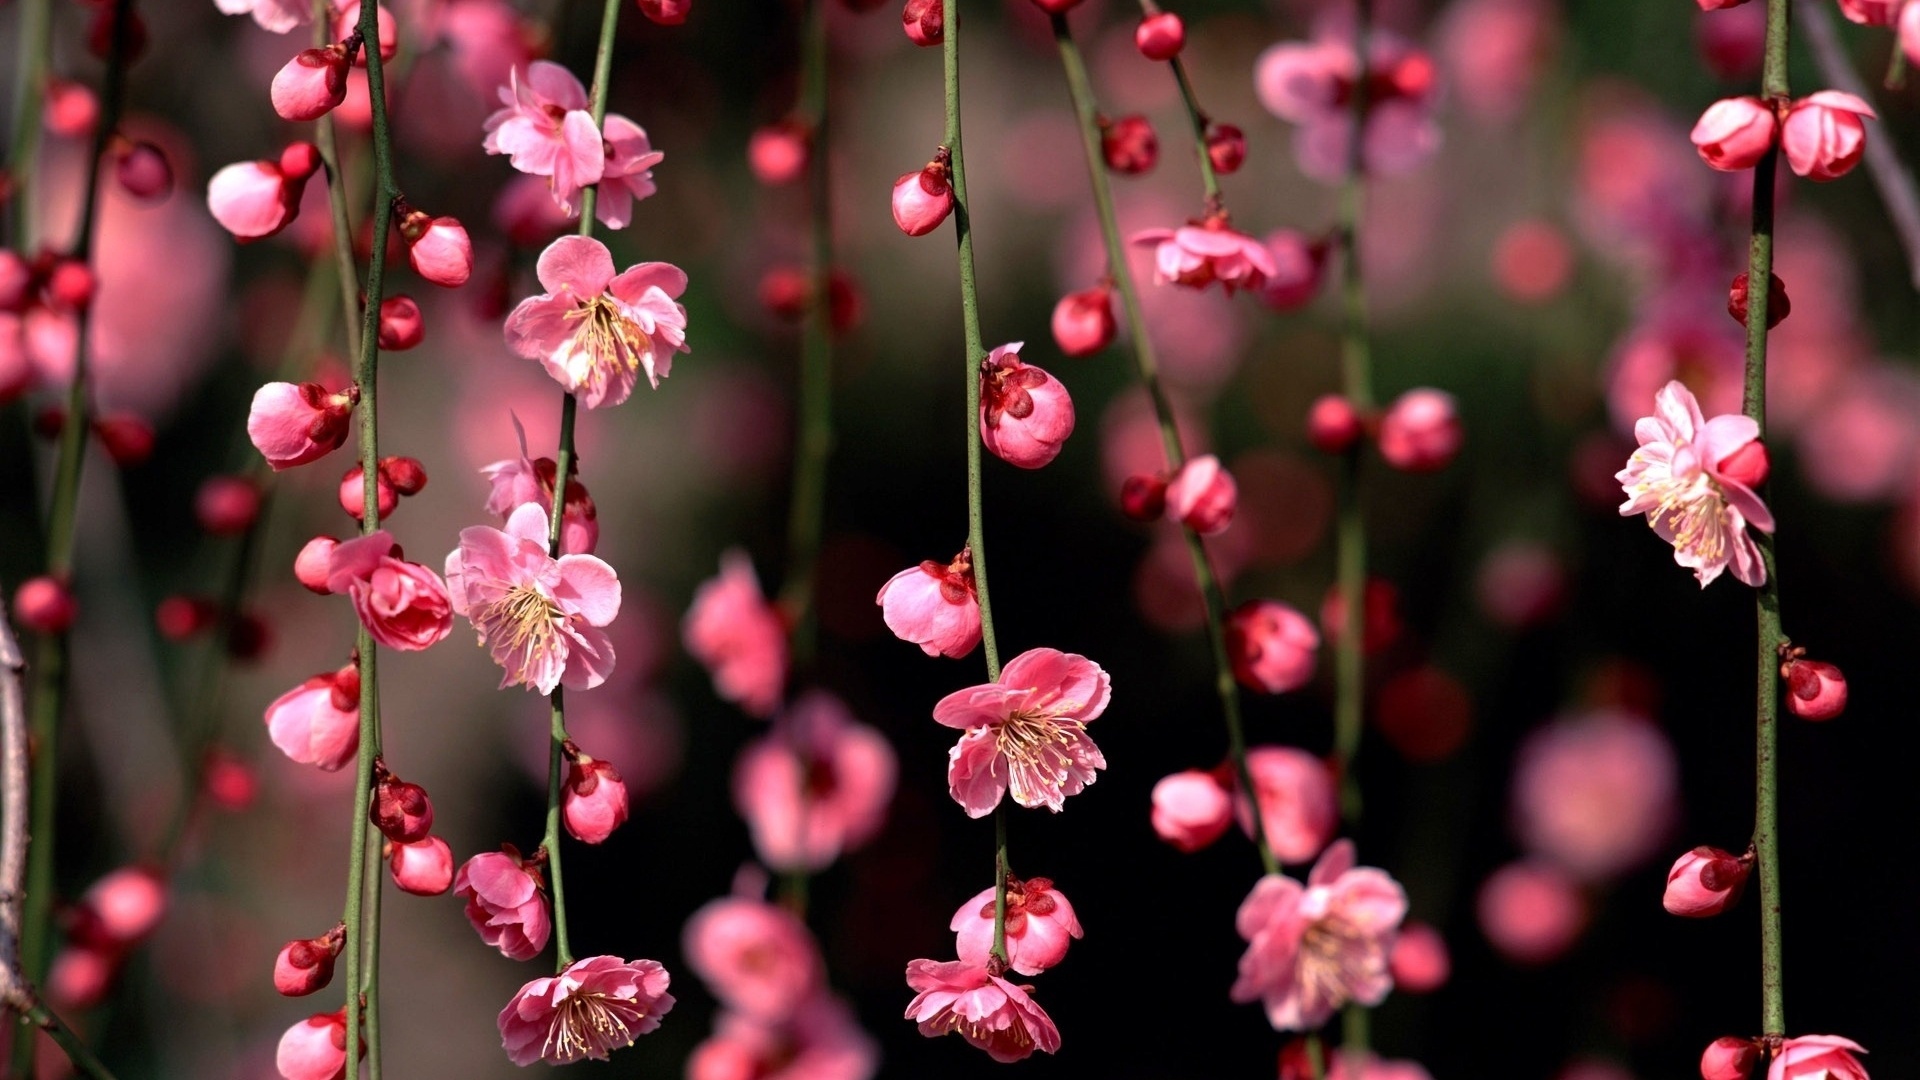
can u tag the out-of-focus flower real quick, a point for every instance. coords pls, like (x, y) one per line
(541, 618)
(1206, 253)
(594, 330)
(1312, 949)
(1705, 881)
(1160, 36)
(1818, 1057)
(1596, 793)
(44, 605)
(1531, 912)
(1421, 431)
(1683, 478)
(1202, 496)
(991, 1013)
(1420, 963)
(739, 637)
(278, 16)
(778, 153)
(934, 606)
(1026, 733)
(1733, 46)
(1272, 646)
(1026, 414)
(255, 199)
(820, 1042)
(597, 1005)
(1521, 584)
(1192, 809)
(816, 787)
(1825, 134)
(1870, 12)
(506, 902)
(1040, 925)
(1083, 321)
(1298, 809)
(1299, 268)
(1312, 84)
(756, 957)
(402, 604)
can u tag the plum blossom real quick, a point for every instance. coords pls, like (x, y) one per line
(402, 604)
(1204, 253)
(1687, 478)
(1312, 84)
(314, 1048)
(318, 722)
(594, 330)
(595, 1006)
(1026, 733)
(1818, 1057)
(545, 129)
(739, 637)
(1597, 793)
(515, 482)
(539, 617)
(934, 606)
(817, 786)
(1040, 925)
(628, 175)
(1026, 414)
(1299, 811)
(1312, 949)
(757, 958)
(820, 1042)
(986, 1010)
(278, 16)
(506, 902)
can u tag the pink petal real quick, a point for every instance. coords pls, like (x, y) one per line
(631, 287)
(591, 586)
(577, 264)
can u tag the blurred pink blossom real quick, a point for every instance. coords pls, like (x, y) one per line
(1298, 811)
(739, 637)
(1312, 949)
(1531, 912)
(756, 957)
(821, 1042)
(1311, 84)
(819, 785)
(1597, 793)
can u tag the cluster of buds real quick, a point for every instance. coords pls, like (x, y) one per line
(393, 478)
(1823, 134)
(113, 917)
(1201, 496)
(1420, 432)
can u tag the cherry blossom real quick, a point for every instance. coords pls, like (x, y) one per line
(595, 330)
(1026, 733)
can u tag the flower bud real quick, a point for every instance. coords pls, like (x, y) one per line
(1056, 7)
(1419, 961)
(1083, 321)
(312, 84)
(1026, 415)
(1748, 465)
(299, 161)
(1129, 145)
(922, 200)
(43, 605)
(16, 281)
(1421, 431)
(82, 976)
(407, 475)
(401, 326)
(934, 606)
(1717, 5)
(71, 285)
(353, 493)
(310, 567)
(1143, 497)
(230, 781)
(1733, 47)
(666, 12)
(71, 109)
(1704, 882)
(784, 291)
(1160, 36)
(595, 801)
(127, 439)
(122, 909)
(314, 1048)
(1203, 496)
(1333, 424)
(1778, 306)
(1825, 134)
(423, 868)
(1735, 133)
(101, 32)
(1272, 646)
(1729, 1057)
(1226, 148)
(226, 505)
(143, 171)
(924, 22)
(306, 964)
(438, 248)
(181, 617)
(778, 152)
(1191, 809)
(1815, 690)
(400, 810)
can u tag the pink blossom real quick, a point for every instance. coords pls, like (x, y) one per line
(1909, 32)
(402, 604)
(1531, 912)
(122, 909)
(595, 801)
(1862, 441)
(1825, 134)
(820, 1042)
(1202, 254)
(1679, 479)
(545, 129)
(1083, 321)
(1705, 881)
(255, 199)
(739, 637)
(1027, 732)
(593, 330)
(1735, 133)
(1732, 46)
(305, 965)
(1870, 12)
(1312, 84)
(817, 786)
(423, 868)
(506, 902)
(1298, 811)
(595, 1006)
(1040, 925)
(1272, 646)
(517, 482)
(1818, 1057)
(1192, 809)
(1312, 949)
(314, 1048)
(934, 606)
(778, 152)
(1421, 432)
(311, 84)
(986, 1010)
(1299, 268)
(1026, 414)
(438, 248)
(1816, 690)
(1202, 496)
(318, 722)
(1729, 1058)
(1596, 793)
(922, 200)
(278, 16)
(539, 617)
(757, 958)
(628, 175)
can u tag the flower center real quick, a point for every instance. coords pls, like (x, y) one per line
(1038, 744)
(606, 335)
(1695, 512)
(523, 619)
(1333, 959)
(588, 1024)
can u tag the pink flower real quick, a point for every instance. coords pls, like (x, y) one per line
(1202, 254)
(595, 1006)
(423, 868)
(934, 606)
(1735, 133)
(1420, 963)
(516, 482)
(305, 965)
(1192, 809)
(1531, 912)
(1312, 949)
(314, 1048)
(1870, 12)
(817, 786)
(1825, 134)
(1816, 690)
(255, 199)
(820, 1042)
(1705, 881)
(756, 957)
(1678, 478)
(294, 423)
(1027, 732)
(740, 638)
(545, 129)
(628, 175)
(1729, 1057)
(278, 16)
(121, 909)
(593, 330)
(506, 902)
(438, 248)
(1040, 926)
(1818, 1057)
(1202, 496)
(1083, 321)
(1025, 413)
(1909, 32)
(1299, 268)
(402, 604)
(318, 722)
(922, 200)
(986, 1010)
(311, 84)
(1297, 808)
(1596, 793)
(595, 801)
(1312, 84)
(539, 617)
(1420, 431)
(1272, 646)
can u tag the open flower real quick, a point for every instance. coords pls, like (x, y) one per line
(595, 330)
(934, 606)
(986, 1010)
(1040, 926)
(628, 176)
(1690, 476)
(546, 130)
(818, 785)
(1312, 949)
(739, 637)
(1199, 255)
(1312, 84)
(402, 604)
(515, 482)
(506, 902)
(597, 1005)
(1027, 732)
(539, 617)
(1818, 1057)
(757, 958)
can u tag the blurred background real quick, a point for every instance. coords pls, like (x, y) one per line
(1561, 706)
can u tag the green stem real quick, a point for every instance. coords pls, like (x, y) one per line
(35, 48)
(371, 988)
(1081, 89)
(1001, 874)
(337, 196)
(1316, 1058)
(1769, 637)
(50, 679)
(556, 778)
(1196, 116)
(85, 1062)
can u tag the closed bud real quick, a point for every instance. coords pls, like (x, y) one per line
(16, 281)
(353, 493)
(1160, 36)
(1226, 148)
(924, 22)
(1056, 7)
(312, 84)
(1735, 133)
(1778, 306)
(143, 171)
(922, 200)
(43, 605)
(1271, 646)
(1705, 882)
(71, 109)
(1421, 431)
(1825, 134)
(401, 326)
(405, 474)
(122, 909)
(181, 617)
(1144, 497)
(1333, 424)
(71, 285)
(1419, 962)
(1203, 496)
(1083, 321)
(229, 780)
(595, 800)
(306, 964)
(400, 810)
(1129, 145)
(666, 12)
(1748, 465)
(310, 567)
(784, 291)
(299, 161)
(778, 152)
(1729, 1057)
(1815, 690)
(127, 439)
(226, 505)
(423, 868)
(1192, 809)
(438, 248)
